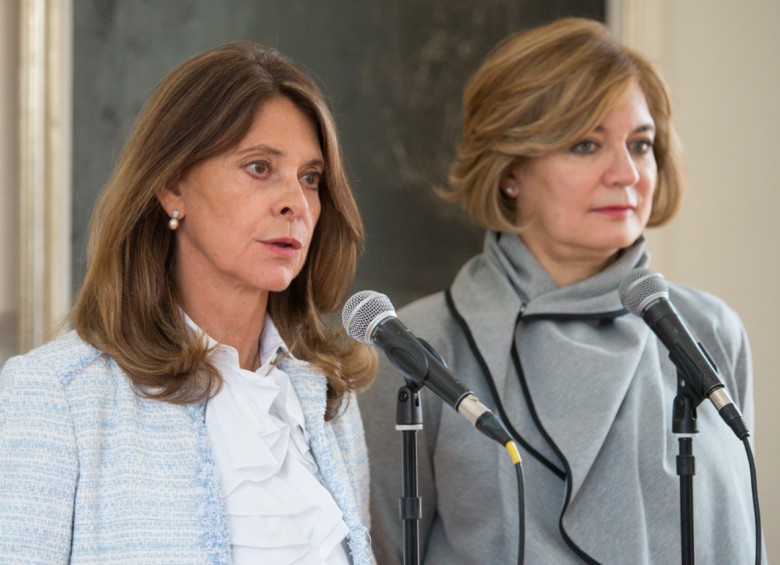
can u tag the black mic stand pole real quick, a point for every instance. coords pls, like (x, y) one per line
(684, 427)
(408, 420)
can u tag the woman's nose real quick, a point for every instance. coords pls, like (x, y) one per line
(291, 200)
(622, 169)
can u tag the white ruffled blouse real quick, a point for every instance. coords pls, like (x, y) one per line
(277, 509)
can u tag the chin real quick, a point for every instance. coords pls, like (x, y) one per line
(271, 278)
(624, 239)
(280, 287)
(277, 283)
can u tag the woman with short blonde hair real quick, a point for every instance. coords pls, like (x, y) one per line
(568, 155)
(569, 80)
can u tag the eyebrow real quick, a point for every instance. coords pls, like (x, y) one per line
(267, 149)
(641, 129)
(260, 149)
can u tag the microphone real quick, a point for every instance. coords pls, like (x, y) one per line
(645, 293)
(369, 317)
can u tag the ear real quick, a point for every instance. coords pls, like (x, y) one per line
(170, 199)
(510, 181)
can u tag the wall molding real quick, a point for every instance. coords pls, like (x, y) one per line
(640, 25)
(45, 139)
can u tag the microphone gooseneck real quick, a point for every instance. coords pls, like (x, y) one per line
(645, 293)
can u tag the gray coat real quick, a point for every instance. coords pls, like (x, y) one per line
(591, 400)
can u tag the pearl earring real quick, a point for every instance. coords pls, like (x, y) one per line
(510, 190)
(173, 223)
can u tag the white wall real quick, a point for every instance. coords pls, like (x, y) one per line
(721, 60)
(9, 23)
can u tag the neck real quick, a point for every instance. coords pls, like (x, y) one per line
(572, 273)
(235, 319)
(569, 270)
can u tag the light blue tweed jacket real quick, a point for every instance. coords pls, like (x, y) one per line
(90, 472)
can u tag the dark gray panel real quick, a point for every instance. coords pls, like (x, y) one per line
(393, 71)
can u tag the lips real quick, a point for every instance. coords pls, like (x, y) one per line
(284, 243)
(284, 247)
(620, 211)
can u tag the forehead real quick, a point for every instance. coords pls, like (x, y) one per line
(281, 109)
(630, 110)
(279, 120)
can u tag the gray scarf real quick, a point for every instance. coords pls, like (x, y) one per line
(598, 393)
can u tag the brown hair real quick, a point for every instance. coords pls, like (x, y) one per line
(540, 91)
(129, 306)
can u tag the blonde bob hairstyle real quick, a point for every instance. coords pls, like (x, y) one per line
(129, 306)
(541, 91)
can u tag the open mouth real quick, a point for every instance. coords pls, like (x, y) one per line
(285, 243)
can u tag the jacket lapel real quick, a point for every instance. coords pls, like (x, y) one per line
(311, 388)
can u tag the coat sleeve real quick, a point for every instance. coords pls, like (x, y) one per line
(38, 465)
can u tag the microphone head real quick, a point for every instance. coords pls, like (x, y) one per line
(363, 311)
(640, 288)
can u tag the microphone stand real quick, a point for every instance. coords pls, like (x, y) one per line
(684, 427)
(408, 420)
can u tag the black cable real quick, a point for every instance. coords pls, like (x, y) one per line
(754, 487)
(520, 513)
(492, 386)
(514, 454)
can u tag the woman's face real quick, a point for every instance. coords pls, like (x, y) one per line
(594, 198)
(247, 216)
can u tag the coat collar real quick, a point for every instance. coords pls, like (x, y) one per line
(575, 372)
(505, 281)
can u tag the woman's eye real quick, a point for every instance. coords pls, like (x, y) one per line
(585, 147)
(642, 146)
(312, 180)
(258, 168)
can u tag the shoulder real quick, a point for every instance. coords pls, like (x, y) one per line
(719, 329)
(430, 319)
(705, 312)
(427, 305)
(60, 360)
(62, 374)
(426, 313)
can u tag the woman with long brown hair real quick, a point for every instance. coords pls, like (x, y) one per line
(201, 410)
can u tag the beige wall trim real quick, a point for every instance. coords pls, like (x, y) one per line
(640, 25)
(44, 168)
(636, 24)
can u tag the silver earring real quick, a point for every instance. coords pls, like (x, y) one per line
(173, 223)
(509, 190)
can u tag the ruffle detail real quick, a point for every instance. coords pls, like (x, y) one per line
(277, 508)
